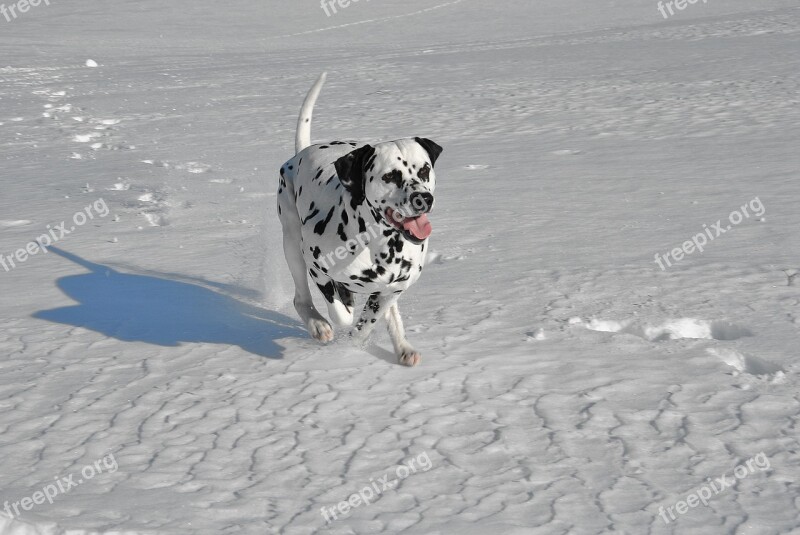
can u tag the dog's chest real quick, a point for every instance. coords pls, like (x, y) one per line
(369, 262)
(345, 243)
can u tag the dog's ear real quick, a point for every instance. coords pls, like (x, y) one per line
(430, 147)
(350, 169)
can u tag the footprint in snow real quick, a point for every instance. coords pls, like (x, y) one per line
(189, 167)
(156, 219)
(119, 186)
(86, 138)
(747, 363)
(673, 329)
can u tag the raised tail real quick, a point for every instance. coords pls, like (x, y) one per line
(303, 137)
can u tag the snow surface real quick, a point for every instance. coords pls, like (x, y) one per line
(568, 385)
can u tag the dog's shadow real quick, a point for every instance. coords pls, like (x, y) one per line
(165, 312)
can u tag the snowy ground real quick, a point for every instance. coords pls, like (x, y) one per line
(568, 384)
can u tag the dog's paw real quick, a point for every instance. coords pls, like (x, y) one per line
(410, 357)
(320, 330)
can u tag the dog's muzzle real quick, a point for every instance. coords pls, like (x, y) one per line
(422, 202)
(416, 229)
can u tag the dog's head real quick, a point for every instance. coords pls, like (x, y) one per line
(397, 181)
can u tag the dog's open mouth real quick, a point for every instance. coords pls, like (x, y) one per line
(415, 229)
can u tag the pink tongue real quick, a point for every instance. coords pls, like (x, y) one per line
(419, 227)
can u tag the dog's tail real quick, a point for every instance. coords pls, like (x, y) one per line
(303, 137)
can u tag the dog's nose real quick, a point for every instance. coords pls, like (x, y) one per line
(422, 202)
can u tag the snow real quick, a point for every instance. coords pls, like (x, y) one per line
(568, 384)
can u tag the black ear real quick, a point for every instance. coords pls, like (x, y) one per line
(430, 147)
(350, 169)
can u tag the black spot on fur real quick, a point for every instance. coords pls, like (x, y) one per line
(345, 295)
(313, 214)
(319, 174)
(395, 177)
(340, 232)
(319, 228)
(327, 291)
(368, 275)
(425, 173)
(373, 303)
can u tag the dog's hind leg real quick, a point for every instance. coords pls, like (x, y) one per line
(405, 352)
(341, 308)
(338, 298)
(318, 327)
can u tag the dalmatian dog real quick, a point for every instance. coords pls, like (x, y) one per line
(354, 218)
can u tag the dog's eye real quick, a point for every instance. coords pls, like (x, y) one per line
(395, 177)
(424, 173)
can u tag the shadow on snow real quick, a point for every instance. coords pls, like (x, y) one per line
(155, 310)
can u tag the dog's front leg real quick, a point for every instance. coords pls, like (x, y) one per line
(376, 307)
(407, 355)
